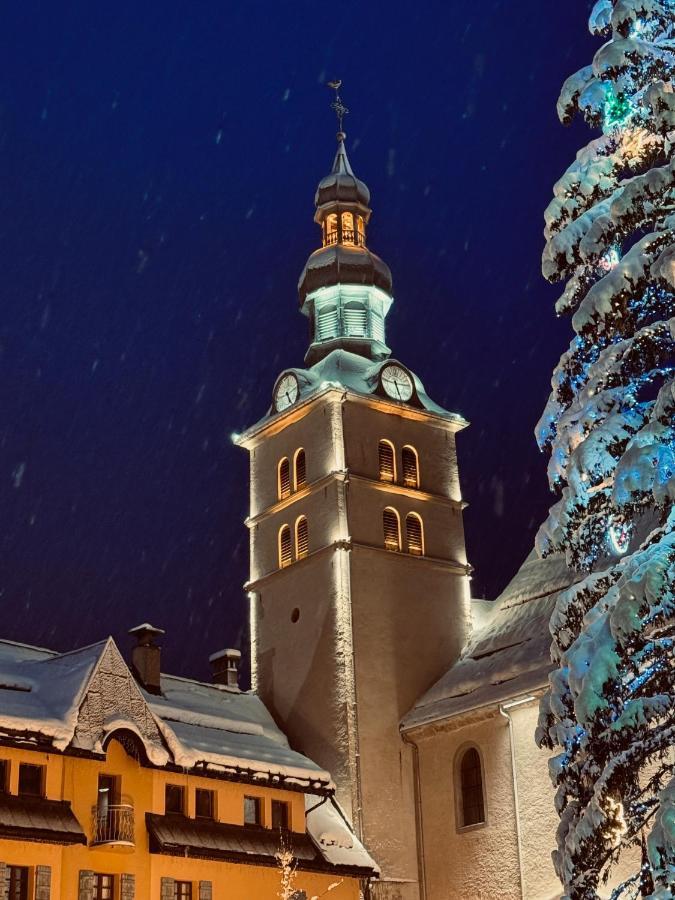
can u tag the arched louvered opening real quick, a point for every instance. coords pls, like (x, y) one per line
(285, 547)
(301, 538)
(414, 534)
(299, 469)
(411, 467)
(327, 323)
(391, 525)
(377, 326)
(330, 229)
(387, 459)
(348, 231)
(284, 479)
(472, 804)
(355, 320)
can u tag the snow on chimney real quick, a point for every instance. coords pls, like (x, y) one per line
(225, 667)
(145, 656)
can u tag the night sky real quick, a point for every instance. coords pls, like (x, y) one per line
(157, 171)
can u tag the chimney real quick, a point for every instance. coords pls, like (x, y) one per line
(225, 667)
(145, 657)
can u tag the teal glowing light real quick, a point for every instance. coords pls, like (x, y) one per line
(618, 110)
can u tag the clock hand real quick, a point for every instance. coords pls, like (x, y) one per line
(397, 390)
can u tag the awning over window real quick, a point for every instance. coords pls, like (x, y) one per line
(37, 819)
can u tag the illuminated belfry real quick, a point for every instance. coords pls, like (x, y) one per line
(345, 289)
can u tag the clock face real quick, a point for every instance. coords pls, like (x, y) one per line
(397, 383)
(286, 392)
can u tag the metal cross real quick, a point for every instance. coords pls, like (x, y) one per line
(337, 105)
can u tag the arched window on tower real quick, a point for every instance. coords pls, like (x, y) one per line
(355, 318)
(387, 461)
(327, 323)
(411, 467)
(300, 470)
(330, 229)
(284, 479)
(360, 231)
(414, 534)
(285, 547)
(391, 525)
(471, 805)
(301, 538)
(348, 233)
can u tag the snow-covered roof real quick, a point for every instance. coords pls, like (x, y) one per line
(74, 701)
(333, 836)
(349, 371)
(508, 655)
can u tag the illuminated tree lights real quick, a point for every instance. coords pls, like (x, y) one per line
(609, 425)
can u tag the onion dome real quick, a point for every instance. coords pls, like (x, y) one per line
(344, 289)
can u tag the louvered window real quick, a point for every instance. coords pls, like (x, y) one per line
(355, 320)
(284, 479)
(327, 324)
(387, 464)
(392, 529)
(471, 789)
(300, 470)
(377, 326)
(285, 546)
(411, 472)
(414, 534)
(301, 538)
(331, 234)
(348, 234)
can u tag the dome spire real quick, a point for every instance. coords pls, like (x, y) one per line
(341, 163)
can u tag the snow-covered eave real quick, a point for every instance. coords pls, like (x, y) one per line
(271, 423)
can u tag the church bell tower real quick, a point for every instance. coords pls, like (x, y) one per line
(359, 579)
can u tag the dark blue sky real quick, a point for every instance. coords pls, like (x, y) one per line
(157, 170)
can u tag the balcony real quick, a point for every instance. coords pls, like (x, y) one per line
(113, 824)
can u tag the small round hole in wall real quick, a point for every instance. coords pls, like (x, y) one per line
(295, 615)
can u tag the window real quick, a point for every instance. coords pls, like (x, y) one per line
(330, 225)
(253, 811)
(348, 236)
(414, 534)
(301, 538)
(183, 890)
(280, 815)
(108, 790)
(4, 776)
(377, 326)
(327, 325)
(174, 799)
(31, 780)
(387, 461)
(355, 319)
(16, 883)
(392, 529)
(285, 547)
(300, 467)
(472, 808)
(205, 804)
(411, 467)
(103, 887)
(284, 479)
(361, 237)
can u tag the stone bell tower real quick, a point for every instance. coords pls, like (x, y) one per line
(358, 585)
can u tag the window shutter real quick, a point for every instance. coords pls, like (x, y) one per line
(285, 547)
(392, 537)
(87, 885)
(205, 890)
(284, 479)
(386, 452)
(4, 881)
(411, 475)
(327, 325)
(355, 321)
(413, 530)
(127, 887)
(301, 538)
(300, 470)
(377, 327)
(168, 889)
(43, 882)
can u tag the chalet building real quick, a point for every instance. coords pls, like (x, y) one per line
(115, 786)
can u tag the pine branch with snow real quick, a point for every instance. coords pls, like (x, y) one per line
(610, 428)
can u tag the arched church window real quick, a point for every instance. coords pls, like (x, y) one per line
(360, 231)
(348, 233)
(301, 538)
(392, 529)
(300, 470)
(330, 226)
(387, 461)
(472, 804)
(327, 323)
(355, 317)
(284, 479)
(414, 534)
(411, 467)
(285, 547)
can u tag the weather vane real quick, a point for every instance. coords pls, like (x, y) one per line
(337, 104)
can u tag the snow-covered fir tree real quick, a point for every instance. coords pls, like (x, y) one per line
(610, 428)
